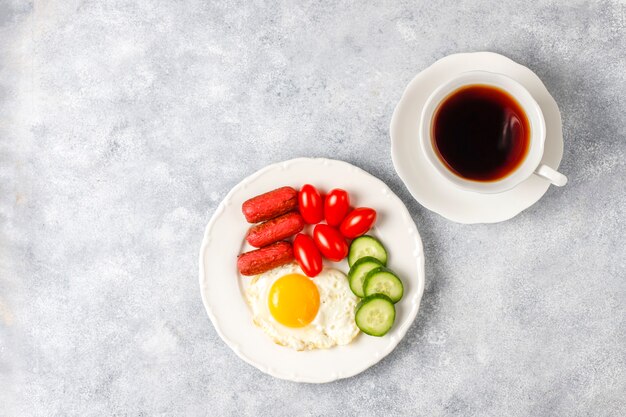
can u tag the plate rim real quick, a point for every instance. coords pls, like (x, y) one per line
(412, 314)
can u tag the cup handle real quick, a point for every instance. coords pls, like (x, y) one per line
(551, 175)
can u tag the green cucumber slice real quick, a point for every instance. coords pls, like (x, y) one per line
(375, 315)
(359, 270)
(367, 246)
(383, 281)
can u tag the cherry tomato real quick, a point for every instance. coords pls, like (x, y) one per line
(310, 204)
(358, 222)
(330, 242)
(336, 206)
(308, 256)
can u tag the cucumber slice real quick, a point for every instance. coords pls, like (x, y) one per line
(367, 246)
(375, 315)
(359, 270)
(383, 281)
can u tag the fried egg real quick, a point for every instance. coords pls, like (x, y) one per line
(300, 312)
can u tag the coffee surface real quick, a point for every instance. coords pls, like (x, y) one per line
(481, 133)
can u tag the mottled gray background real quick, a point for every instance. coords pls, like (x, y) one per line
(124, 123)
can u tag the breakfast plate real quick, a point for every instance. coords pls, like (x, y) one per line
(431, 189)
(223, 288)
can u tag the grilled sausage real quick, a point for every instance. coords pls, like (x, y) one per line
(274, 230)
(262, 260)
(269, 205)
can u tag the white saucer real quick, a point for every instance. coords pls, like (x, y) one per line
(426, 185)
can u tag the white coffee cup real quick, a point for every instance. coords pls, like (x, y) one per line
(530, 165)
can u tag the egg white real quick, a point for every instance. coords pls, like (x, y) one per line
(334, 323)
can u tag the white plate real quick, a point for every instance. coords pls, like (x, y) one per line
(426, 185)
(220, 282)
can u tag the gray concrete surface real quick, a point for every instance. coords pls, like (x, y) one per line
(124, 123)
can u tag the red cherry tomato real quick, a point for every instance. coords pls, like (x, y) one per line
(358, 222)
(308, 256)
(310, 204)
(336, 206)
(330, 242)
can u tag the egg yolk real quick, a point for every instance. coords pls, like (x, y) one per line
(294, 300)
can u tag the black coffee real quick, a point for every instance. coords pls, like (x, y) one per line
(481, 133)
